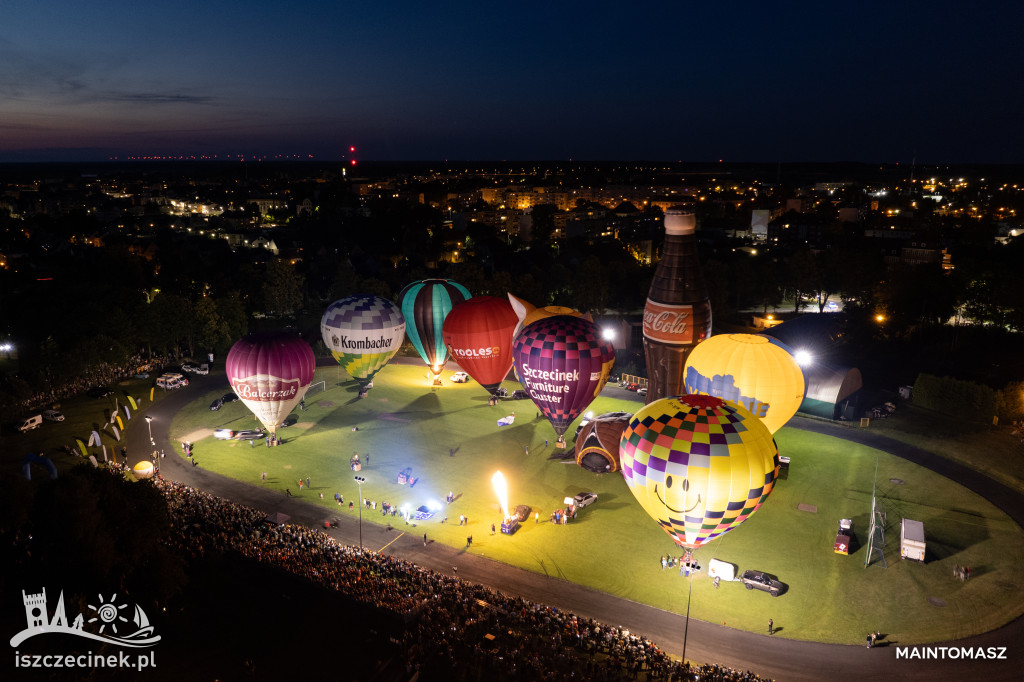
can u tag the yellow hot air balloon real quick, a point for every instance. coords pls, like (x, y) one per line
(752, 370)
(698, 465)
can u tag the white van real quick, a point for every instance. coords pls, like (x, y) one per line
(33, 422)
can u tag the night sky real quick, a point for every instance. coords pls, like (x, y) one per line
(672, 80)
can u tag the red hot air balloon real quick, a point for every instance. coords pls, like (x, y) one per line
(563, 364)
(478, 333)
(270, 372)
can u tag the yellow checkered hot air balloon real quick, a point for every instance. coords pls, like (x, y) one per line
(698, 465)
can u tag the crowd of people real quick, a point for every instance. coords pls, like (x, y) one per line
(447, 619)
(99, 374)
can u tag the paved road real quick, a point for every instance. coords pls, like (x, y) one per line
(778, 658)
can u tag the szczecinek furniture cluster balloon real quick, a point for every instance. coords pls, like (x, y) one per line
(425, 305)
(753, 370)
(563, 364)
(363, 332)
(270, 372)
(698, 465)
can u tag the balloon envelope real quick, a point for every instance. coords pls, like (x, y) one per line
(529, 313)
(750, 369)
(597, 444)
(270, 372)
(425, 305)
(143, 469)
(478, 333)
(563, 364)
(698, 465)
(363, 332)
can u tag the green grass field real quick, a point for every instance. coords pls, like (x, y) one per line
(613, 545)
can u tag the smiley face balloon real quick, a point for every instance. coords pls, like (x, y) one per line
(698, 465)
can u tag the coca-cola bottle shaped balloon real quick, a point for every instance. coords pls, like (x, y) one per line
(677, 315)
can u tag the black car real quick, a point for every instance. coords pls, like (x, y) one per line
(216, 404)
(290, 420)
(100, 392)
(229, 397)
(519, 395)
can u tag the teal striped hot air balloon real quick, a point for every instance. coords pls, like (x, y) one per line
(425, 305)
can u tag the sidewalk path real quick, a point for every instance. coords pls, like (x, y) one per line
(778, 658)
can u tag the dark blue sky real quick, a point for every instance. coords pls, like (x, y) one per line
(739, 81)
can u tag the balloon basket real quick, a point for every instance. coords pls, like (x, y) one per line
(560, 443)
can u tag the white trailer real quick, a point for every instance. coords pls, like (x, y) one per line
(912, 540)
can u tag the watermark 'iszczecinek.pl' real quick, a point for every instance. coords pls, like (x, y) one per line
(109, 622)
(951, 652)
(90, 660)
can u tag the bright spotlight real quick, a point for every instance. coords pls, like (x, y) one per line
(608, 334)
(803, 357)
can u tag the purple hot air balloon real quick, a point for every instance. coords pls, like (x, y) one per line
(270, 372)
(563, 364)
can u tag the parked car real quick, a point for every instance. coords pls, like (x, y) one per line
(642, 390)
(229, 397)
(53, 415)
(142, 375)
(501, 392)
(290, 420)
(99, 392)
(29, 423)
(223, 434)
(203, 369)
(459, 378)
(216, 404)
(249, 434)
(632, 387)
(522, 512)
(519, 395)
(761, 581)
(584, 500)
(189, 367)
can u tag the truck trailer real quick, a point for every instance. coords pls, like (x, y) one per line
(912, 540)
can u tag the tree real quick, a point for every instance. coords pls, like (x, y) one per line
(211, 330)
(282, 288)
(590, 286)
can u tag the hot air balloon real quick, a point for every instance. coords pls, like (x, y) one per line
(563, 364)
(270, 372)
(698, 465)
(363, 332)
(753, 370)
(529, 313)
(478, 333)
(597, 443)
(425, 305)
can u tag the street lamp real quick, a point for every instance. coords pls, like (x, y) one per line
(360, 481)
(149, 423)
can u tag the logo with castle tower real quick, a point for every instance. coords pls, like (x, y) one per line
(114, 627)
